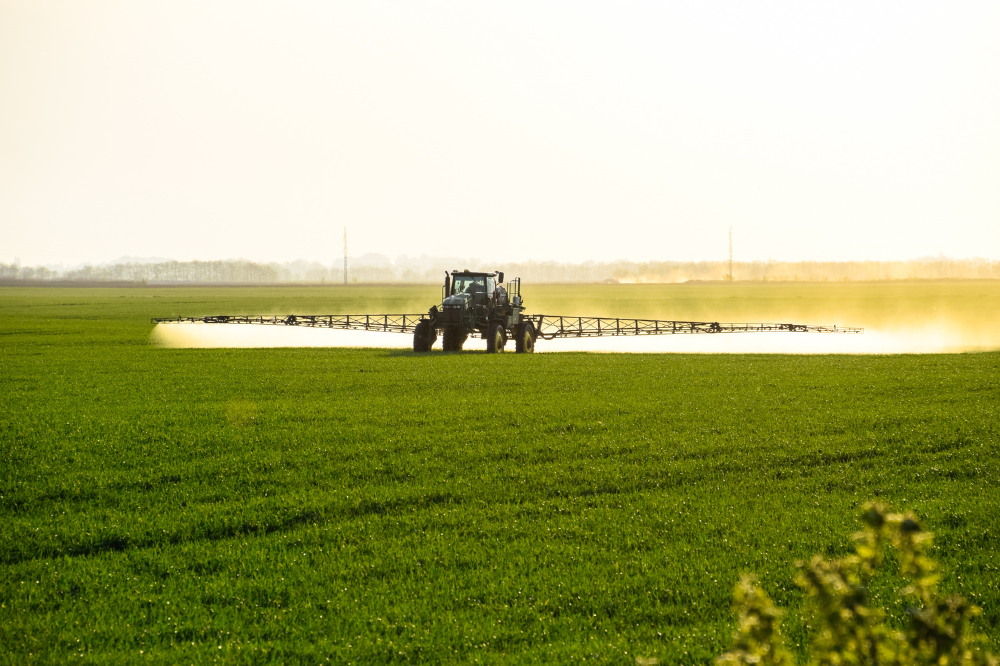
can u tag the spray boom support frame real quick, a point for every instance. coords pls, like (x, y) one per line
(547, 327)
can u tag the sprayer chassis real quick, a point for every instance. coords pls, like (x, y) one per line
(477, 304)
(547, 327)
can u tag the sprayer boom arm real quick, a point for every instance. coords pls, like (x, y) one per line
(549, 327)
(546, 326)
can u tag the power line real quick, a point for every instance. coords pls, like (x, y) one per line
(730, 254)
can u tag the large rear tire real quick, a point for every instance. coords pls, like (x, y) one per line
(423, 337)
(525, 343)
(496, 339)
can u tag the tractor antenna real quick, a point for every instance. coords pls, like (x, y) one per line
(345, 255)
(730, 254)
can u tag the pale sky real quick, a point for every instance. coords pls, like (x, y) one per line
(505, 130)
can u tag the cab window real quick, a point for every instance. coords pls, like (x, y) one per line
(468, 284)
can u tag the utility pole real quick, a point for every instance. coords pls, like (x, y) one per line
(730, 254)
(345, 255)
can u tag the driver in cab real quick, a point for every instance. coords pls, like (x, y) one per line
(470, 285)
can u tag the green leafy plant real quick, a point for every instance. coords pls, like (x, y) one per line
(845, 628)
(758, 638)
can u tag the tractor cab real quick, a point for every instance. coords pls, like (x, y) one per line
(479, 288)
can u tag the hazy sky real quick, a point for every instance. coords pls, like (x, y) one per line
(534, 130)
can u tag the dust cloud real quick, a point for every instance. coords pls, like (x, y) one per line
(210, 336)
(928, 339)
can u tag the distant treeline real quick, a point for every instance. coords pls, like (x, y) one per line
(379, 269)
(813, 271)
(169, 271)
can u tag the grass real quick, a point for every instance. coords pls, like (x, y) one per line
(305, 505)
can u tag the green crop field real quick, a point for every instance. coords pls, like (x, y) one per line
(370, 505)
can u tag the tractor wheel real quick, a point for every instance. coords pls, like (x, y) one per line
(496, 339)
(423, 337)
(525, 343)
(452, 339)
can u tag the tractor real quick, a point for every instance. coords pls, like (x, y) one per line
(477, 304)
